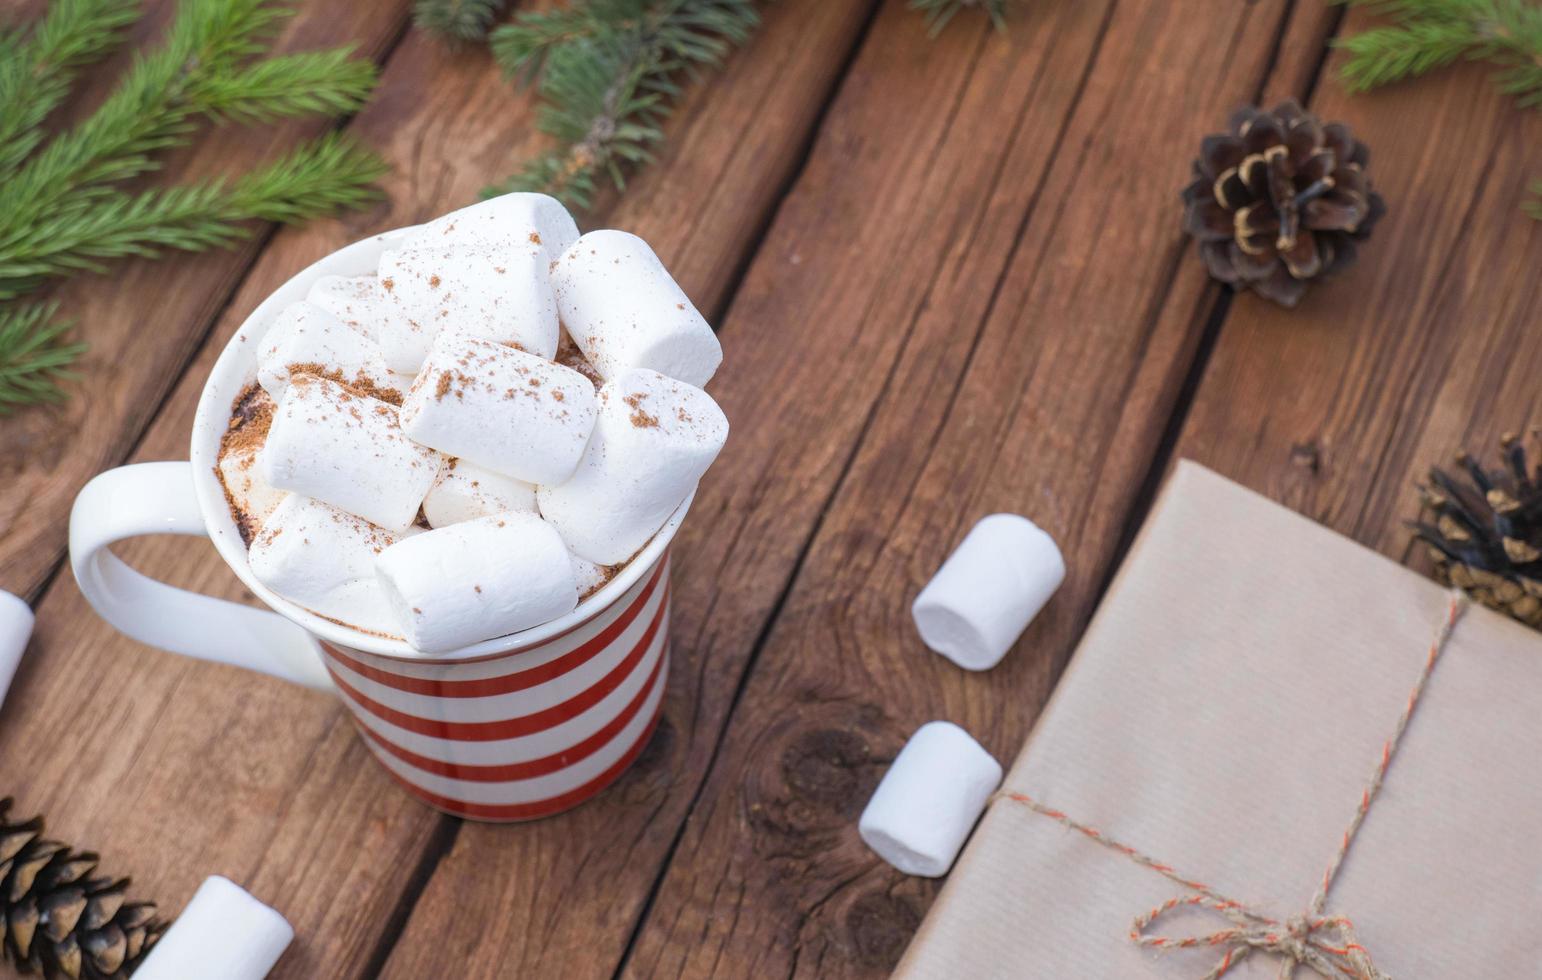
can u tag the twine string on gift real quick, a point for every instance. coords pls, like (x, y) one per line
(1323, 943)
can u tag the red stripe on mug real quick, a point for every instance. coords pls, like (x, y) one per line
(533, 767)
(536, 808)
(490, 731)
(507, 683)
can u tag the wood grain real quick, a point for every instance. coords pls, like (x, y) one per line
(144, 319)
(206, 769)
(1035, 374)
(1426, 347)
(560, 897)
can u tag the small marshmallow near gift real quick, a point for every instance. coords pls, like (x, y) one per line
(972, 612)
(430, 471)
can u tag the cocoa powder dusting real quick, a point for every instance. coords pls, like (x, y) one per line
(640, 418)
(360, 384)
(443, 387)
(250, 417)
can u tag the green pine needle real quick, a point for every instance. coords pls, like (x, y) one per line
(607, 73)
(63, 209)
(1429, 34)
(325, 175)
(34, 357)
(939, 12)
(457, 21)
(36, 72)
(308, 83)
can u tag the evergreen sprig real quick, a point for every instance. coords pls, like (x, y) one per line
(1425, 35)
(457, 20)
(63, 209)
(34, 357)
(1430, 34)
(608, 72)
(36, 71)
(939, 12)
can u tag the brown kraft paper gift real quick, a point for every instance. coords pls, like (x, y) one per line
(1224, 714)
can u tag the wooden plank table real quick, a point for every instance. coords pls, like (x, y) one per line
(949, 279)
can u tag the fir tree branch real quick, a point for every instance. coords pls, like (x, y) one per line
(36, 72)
(306, 83)
(34, 357)
(325, 175)
(154, 107)
(939, 12)
(607, 73)
(457, 20)
(61, 211)
(1430, 34)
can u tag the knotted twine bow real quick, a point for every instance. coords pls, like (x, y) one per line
(1325, 944)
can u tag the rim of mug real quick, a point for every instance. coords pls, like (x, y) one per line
(237, 367)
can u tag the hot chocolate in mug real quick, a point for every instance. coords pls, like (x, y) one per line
(514, 728)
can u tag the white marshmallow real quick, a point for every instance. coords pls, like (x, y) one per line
(988, 591)
(349, 451)
(625, 310)
(16, 621)
(504, 221)
(500, 408)
(224, 932)
(472, 581)
(588, 575)
(321, 558)
(653, 439)
(305, 336)
(498, 294)
(357, 301)
(241, 475)
(465, 491)
(923, 809)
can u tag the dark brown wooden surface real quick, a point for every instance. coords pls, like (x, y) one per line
(948, 279)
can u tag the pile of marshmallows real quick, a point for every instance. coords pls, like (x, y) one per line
(971, 612)
(532, 481)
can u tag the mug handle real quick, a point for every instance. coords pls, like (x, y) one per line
(159, 498)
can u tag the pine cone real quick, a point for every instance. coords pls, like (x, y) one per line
(1280, 201)
(58, 920)
(1486, 536)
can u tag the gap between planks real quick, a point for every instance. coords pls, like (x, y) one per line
(445, 834)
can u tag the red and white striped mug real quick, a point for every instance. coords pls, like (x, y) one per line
(515, 728)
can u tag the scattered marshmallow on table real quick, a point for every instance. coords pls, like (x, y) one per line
(306, 339)
(355, 300)
(653, 439)
(224, 932)
(472, 581)
(502, 295)
(465, 491)
(624, 310)
(349, 451)
(16, 622)
(929, 800)
(321, 558)
(988, 591)
(500, 408)
(504, 221)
